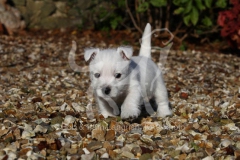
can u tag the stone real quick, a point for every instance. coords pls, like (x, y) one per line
(98, 133)
(127, 154)
(19, 2)
(146, 156)
(136, 150)
(73, 12)
(134, 137)
(57, 120)
(9, 138)
(151, 128)
(208, 158)
(94, 145)
(2, 115)
(88, 156)
(54, 22)
(47, 9)
(112, 125)
(40, 129)
(119, 144)
(237, 154)
(27, 134)
(78, 108)
(147, 139)
(101, 151)
(33, 7)
(71, 150)
(108, 145)
(137, 130)
(86, 151)
(68, 119)
(83, 5)
(105, 155)
(184, 95)
(110, 135)
(61, 6)
(174, 153)
(112, 154)
(121, 138)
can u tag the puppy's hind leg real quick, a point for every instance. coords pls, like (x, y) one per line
(161, 98)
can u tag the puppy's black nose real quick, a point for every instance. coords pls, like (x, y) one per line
(107, 90)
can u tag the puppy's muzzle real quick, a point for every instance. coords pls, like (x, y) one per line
(106, 90)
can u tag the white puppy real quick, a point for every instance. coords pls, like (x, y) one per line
(122, 83)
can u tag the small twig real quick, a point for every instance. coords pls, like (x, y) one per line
(183, 37)
(160, 21)
(167, 15)
(124, 25)
(150, 19)
(215, 29)
(132, 18)
(177, 29)
(156, 20)
(137, 15)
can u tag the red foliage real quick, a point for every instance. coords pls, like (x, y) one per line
(230, 21)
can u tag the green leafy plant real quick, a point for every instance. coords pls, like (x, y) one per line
(190, 18)
(191, 10)
(146, 4)
(184, 18)
(109, 15)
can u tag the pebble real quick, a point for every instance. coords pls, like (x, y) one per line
(145, 156)
(101, 151)
(136, 150)
(56, 120)
(108, 145)
(147, 139)
(151, 128)
(127, 154)
(87, 156)
(208, 158)
(225, 143)
(99, 133)
(134, 137)
(110, 135)
(94, 145)
(120, 138)
(40, 129)
(136, 131)
(86, 151)
(184, 95)
(68, 119)
(27, 134)
(119, 144)
(105, 155)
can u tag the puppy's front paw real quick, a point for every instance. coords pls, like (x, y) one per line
(107, 114)
(130, 112)
(164, 111)
(116, 111)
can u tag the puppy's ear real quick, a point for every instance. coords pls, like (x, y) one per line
(90, 53)
(125, 52)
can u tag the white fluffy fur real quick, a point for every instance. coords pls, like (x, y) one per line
(140, 80)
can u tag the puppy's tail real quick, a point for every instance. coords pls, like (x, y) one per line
(145, 49)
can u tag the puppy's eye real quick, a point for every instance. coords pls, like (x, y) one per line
(97, 75)
(118, 75)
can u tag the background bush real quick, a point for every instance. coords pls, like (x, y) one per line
(184, 18)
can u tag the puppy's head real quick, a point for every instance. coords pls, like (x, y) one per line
(109, 69)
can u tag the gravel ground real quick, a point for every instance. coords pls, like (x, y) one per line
(45, 111)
